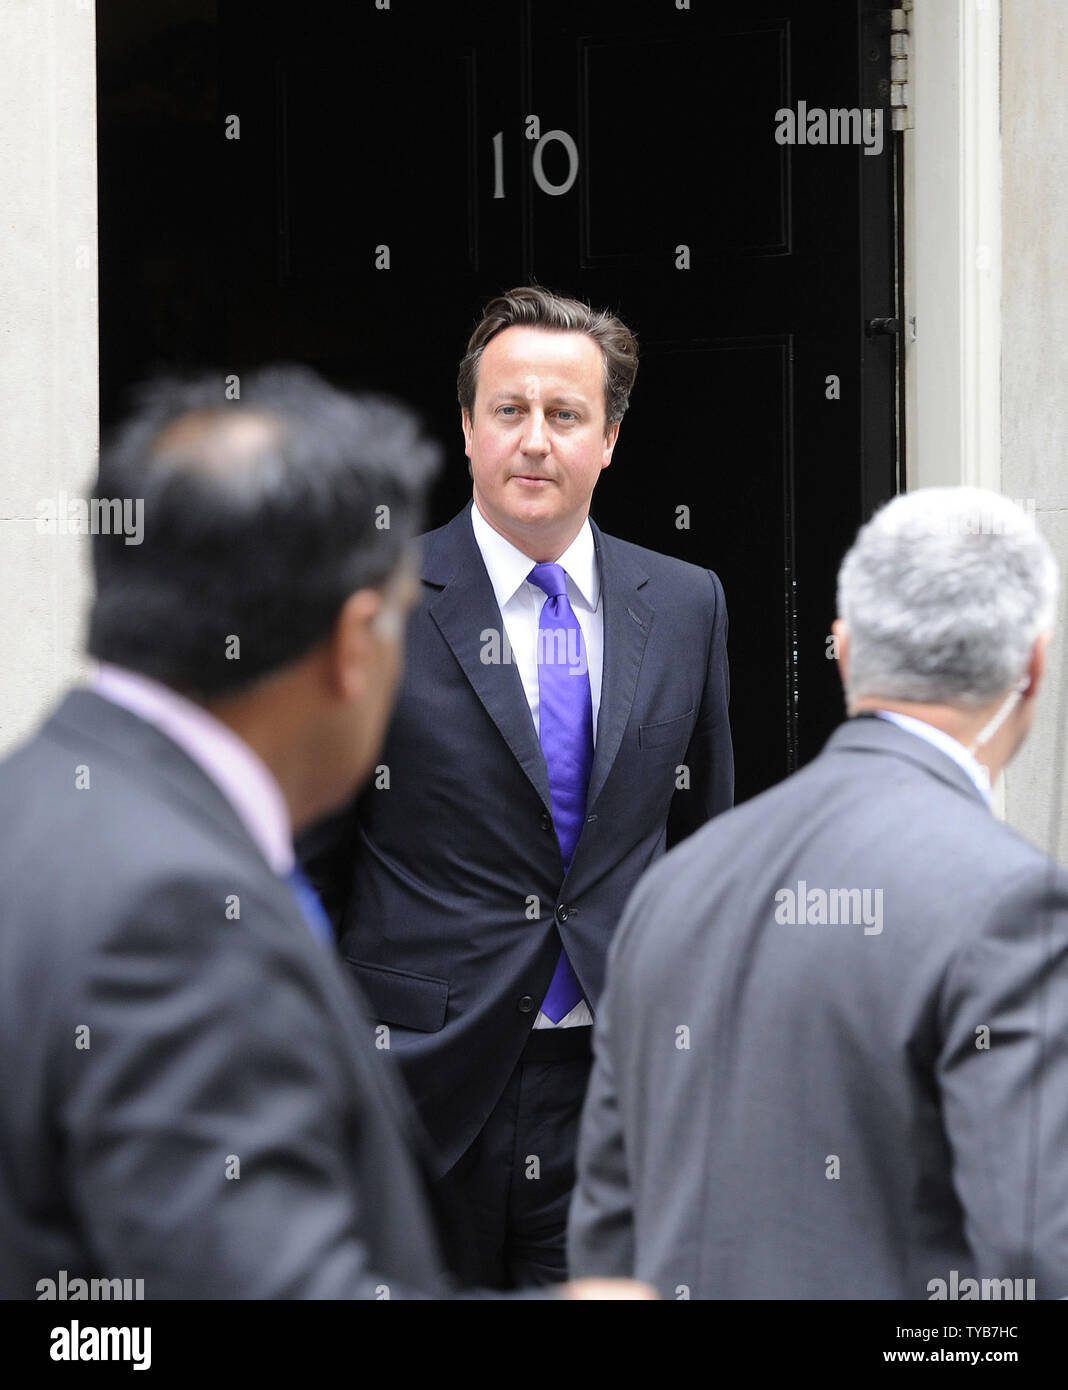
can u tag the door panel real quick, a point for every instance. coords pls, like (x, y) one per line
(762, 403)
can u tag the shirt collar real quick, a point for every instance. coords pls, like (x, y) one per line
(240, 774)
(952, 747)
(508, 567)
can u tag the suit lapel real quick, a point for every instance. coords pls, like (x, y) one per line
(464, 609)
(628, 620)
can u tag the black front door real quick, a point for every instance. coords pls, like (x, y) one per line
(390, 169)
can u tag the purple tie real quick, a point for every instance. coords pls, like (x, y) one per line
(566, 731)
(311, 906)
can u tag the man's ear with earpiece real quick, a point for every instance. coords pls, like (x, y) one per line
(1032, 677)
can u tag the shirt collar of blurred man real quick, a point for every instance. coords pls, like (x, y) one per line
(235, 768)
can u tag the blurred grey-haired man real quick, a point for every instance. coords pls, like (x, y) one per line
(832, 1061)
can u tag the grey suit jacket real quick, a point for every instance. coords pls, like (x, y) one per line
(186, 1094)
(807, 1093)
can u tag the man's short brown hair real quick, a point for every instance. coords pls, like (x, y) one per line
(532, 306)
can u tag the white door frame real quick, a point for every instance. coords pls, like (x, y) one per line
(952, 214)
(952, 258)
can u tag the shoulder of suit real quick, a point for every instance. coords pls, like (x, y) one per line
(656, 564)
(960, 837)
(138, 833)
(431, 537)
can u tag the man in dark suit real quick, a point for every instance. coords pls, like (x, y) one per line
(832, 1060)
(187, 1097)
(563, 712)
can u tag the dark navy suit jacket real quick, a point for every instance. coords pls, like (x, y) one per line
(446, 879)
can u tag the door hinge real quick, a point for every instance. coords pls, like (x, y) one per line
(900, 47)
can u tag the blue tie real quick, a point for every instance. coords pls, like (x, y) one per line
(312, 909)
(565, 719)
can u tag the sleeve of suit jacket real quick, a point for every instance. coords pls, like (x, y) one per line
(210, 1143)
(710, 755)
(600, 1240)
(1003, 1079)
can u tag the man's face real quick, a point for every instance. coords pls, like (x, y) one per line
(536, 435)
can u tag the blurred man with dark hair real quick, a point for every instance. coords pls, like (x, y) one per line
(190, 1095)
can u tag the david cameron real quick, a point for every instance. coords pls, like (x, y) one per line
(562, 719)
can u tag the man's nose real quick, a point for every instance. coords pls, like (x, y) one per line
(535, 436)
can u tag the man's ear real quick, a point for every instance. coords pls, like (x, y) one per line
(465, 425)
(1036, 667)
(840, 632)
(351, 646)
(611, 434)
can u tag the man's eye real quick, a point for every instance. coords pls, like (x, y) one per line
(566, 415)
(504, 409)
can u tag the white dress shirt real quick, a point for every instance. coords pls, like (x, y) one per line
(520, 604)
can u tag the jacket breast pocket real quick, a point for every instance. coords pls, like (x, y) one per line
(396, 996)
(668, 731)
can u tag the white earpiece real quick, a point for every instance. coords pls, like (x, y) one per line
(987, 732)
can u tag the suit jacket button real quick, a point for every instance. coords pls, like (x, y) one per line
(562, 913)
(526, 1004)
(546, 821)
